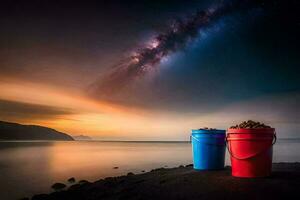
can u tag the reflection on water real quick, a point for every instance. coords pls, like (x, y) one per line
(27, 168)
(31, 167)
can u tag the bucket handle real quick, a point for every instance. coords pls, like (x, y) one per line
(251, 156)
(205, 142)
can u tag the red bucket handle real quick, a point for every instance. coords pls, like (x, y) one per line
(251, 156)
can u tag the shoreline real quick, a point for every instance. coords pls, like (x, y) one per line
(184, 182)
(119, 141)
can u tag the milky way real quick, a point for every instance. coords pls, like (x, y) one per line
(174, 39)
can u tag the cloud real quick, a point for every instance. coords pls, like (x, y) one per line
(19, 111)
(281, 108)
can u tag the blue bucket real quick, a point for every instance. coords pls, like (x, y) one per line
(208, 149)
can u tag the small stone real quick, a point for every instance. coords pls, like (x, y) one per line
(58, 186)
(81, 182)
(130, 174)
(115, 167)
(74, 187)
(71, 180)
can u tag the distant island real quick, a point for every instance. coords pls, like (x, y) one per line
(82, 137)
(15, 131)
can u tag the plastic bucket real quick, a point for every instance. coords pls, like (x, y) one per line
(251, 151)
(208, 149)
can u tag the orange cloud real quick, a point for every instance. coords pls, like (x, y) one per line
(81, 115)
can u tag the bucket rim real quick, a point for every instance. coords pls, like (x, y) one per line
(208, 131)
(250, 130)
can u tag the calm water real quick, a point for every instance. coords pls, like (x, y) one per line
(28, 168)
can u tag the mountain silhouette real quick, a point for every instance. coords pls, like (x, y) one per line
(15, 131)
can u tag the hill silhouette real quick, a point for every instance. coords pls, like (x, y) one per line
(15, 131)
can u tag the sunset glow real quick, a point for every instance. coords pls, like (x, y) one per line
(149, 99)
(156, 79)
(84, 115)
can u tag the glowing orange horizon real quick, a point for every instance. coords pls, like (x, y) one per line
(90, 117)
(105, 120)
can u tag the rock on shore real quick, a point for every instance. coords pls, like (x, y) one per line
(186, 183)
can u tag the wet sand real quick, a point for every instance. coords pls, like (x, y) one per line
(185, 183)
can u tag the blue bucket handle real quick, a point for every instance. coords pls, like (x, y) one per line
(205, 142)
(254, 155)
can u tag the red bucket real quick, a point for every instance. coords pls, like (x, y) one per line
(251, 151)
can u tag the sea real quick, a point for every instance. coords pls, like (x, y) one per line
(31, 167)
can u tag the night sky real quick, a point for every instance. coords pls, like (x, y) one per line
(150, 70)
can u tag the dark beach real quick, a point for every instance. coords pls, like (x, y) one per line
(184, 182)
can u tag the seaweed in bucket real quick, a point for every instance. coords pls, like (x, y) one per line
(206, 128)
(250, 124)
